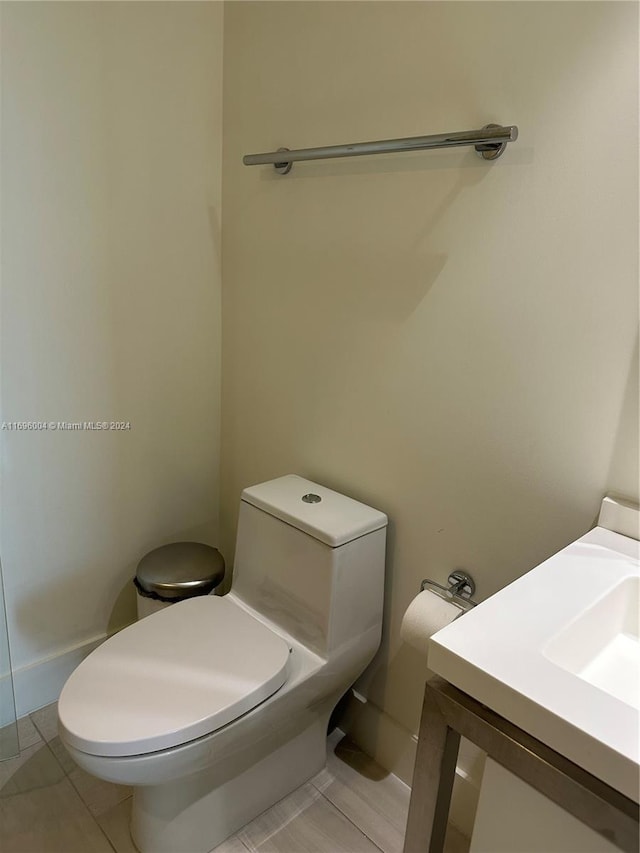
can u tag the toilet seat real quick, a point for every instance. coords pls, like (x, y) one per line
(175, 676)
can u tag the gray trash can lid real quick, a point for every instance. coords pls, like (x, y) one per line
(180, 570)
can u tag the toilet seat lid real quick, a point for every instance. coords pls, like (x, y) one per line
(176, 675)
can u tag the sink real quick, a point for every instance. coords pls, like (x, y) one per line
(602, 645)
(557, 652)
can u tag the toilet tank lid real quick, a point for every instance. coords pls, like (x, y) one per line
(322, 513)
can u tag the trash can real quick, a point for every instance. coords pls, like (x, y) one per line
(174, 572)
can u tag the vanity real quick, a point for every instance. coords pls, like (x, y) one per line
(544, 677)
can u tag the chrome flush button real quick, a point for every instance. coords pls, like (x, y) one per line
(311, 498)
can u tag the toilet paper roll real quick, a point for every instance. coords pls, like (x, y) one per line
(426, 614)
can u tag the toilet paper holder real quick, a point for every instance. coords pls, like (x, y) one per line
(461, 587)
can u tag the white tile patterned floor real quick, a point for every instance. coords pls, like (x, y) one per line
(49, 805)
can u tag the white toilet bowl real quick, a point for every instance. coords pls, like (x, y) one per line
(215, 708)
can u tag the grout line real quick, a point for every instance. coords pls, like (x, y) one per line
(325, 792)
(59, 763)
(236, 837)
(21, 747)
(37, 727)
(69, 778)
(103, 832)
(352, 822)
(79, 792)
(314, 796)
(44, 743)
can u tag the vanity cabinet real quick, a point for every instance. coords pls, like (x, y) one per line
(513, 817)
(526, 785)
(555, 681)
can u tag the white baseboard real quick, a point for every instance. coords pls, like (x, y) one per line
(394, 747)
(40, 683)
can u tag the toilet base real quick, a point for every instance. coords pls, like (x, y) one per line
(196, 813)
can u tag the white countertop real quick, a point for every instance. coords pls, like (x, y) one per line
(498, 653)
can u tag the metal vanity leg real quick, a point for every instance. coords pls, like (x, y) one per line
(433, 777)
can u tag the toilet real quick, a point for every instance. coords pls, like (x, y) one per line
(217, 707)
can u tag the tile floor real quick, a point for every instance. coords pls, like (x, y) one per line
(49, 805)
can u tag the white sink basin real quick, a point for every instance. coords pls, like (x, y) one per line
(603, 644)
(557, 652)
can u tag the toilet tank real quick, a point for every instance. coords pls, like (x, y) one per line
(312, 561)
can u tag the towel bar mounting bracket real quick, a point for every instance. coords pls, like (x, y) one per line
(283, 168)
(490, 150)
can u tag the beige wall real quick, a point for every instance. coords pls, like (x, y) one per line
(451, 341)
(111, 162)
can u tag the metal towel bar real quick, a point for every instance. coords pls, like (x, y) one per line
(490, 142)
